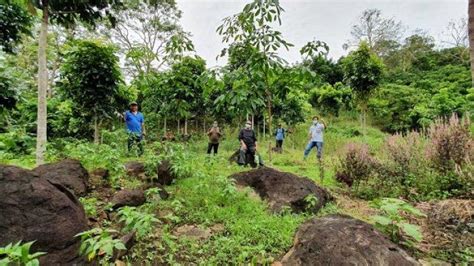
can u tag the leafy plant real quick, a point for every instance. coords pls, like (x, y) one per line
(356, 165)
(311, 201)
(99, 242)
(394, 224)
(90, 206)
(135, 220)
(19, 254)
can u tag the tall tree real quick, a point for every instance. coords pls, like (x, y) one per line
(253, 27)
(471, 36)
(63, 12)
(376, 30)
(91, 78)
(363, 72)
(143, 30)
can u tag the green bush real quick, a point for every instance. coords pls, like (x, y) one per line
(19, 254)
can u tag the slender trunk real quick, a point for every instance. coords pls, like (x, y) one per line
(253, 122)
(41, 133)
(204, 126)
(186, 126)
(269, 102)
(96, 130)
(471, 36)
(263, 126)
(179, 127)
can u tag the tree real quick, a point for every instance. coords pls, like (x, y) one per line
(178, 91)
(91, 79)
(14, 21)
(376, 30)
(362, 71)
(63, 12)
(457, 33)
(144, 29)
(471, 36)
(252, 28)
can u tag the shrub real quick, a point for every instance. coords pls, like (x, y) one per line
(451, 143)
(135, 220)
(394, 224)
(99, 242)
(19, 254)
(356, 165)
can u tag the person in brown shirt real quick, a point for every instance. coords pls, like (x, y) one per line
(214, 134)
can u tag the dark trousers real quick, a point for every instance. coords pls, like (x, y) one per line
(211, 146)
(279, 143)
(248, 157)
(135, 138)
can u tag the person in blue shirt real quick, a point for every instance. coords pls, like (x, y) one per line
(279, 137)
(315, 137)
(135, 124)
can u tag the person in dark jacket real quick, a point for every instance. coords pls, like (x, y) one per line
(248, 146)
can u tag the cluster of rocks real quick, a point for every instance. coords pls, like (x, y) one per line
(330, 240)
(41, 205)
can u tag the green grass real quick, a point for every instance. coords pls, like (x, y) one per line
(205, 196)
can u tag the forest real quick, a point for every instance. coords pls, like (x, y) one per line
(107, 111)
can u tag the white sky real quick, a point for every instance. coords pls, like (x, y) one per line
(306, 20)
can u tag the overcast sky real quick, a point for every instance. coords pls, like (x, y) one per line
(306, 20)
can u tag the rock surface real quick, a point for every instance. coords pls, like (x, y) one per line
(69, 173)
(135, 169)
(128, 197)
(36, 209)
(284, 189)
(343, 240)
(165, 173)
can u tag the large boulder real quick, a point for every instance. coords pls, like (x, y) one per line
(165, 173)
(135, 169)
(282, 189)
(33, 208)
(128, 197)
(68, 173)
(343, 240)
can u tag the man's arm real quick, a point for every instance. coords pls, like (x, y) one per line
(241, 139)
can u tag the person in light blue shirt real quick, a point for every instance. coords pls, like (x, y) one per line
(135, 124)
(279, 137)
(316, 132)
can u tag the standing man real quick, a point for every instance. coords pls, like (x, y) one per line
(279, 136)
(316, 137)
(248, 146)
(135, 127)
(214, 134)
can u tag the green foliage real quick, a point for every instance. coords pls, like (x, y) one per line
(135, 220)
(19, 254)
(91, 78)
(362, 71)
(331, 99)
(99, 242)
(394, 224)
(16, 141)
(90, 206)
(178, 91)
(14, 22)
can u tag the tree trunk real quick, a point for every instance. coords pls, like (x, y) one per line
(253, 122)
(269, 102)
(41, 133)
(179, 127)
(185, 126)
(263, 127)
(96, 130)
(471, 36)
